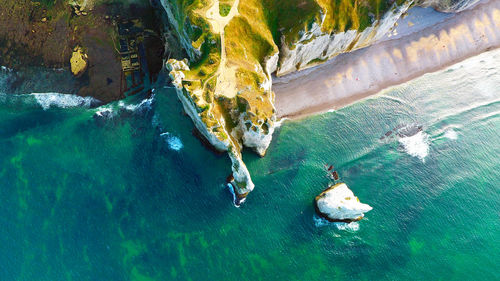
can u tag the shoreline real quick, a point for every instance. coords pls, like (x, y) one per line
(353, 76)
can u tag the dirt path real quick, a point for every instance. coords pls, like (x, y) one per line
(226, 75)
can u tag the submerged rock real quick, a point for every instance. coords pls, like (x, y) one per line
(338, 204)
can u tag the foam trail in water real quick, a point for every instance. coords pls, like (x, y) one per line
(48, 100)
(173, 142)
(235, 198)
(351, 227)
(145, 104)
(319, 221)
(113, 109)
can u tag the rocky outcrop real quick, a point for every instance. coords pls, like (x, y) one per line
(338, 204)
(227, 93)
(213, 128)
(79, 62)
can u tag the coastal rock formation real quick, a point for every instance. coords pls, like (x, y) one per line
(338, 204)
(44, 34)
(234, 47)
(212, 125)
(226, 91)
(319, 43)
(322, 40)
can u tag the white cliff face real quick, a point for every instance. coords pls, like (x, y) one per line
(338, 203)
(180, 30)
(258, 134)
(315, 46)
(243, 182)
(448, 6)
(176, 69)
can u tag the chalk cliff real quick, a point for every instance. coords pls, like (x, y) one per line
(235, 46)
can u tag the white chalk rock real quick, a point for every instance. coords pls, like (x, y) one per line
(338, 204)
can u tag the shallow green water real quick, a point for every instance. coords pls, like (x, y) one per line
(85, 197)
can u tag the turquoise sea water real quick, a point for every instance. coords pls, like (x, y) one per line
(125, 192)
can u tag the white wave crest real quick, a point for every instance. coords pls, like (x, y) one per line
(112, 110)
(351, 227)
(416, 145)
(48, 100)
(173, 142)
(145, 104)
(6, 69)
(105, 112)
(321, 222)
(451, 134)
(235, 198)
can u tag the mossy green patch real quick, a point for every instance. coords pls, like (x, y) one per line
(224, 9)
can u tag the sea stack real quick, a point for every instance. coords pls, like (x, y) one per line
(337, 203)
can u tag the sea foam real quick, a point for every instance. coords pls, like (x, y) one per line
(416, 145)
(173, 142)
(235, 198)
(48, 100)
(350, 227)
(144, 105)
(451, 134)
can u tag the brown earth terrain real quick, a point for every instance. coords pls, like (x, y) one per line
(44, 33)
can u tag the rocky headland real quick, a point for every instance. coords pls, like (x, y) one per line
(235, 47)
(222, 55)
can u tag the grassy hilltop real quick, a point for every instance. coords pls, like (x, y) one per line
(254, 35)
(234, 48)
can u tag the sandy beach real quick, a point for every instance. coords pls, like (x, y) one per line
(353, 76)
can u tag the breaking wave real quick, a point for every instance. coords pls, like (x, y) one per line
(144, 105)
(321, 222)
(173, 142)
(416, 145)
(415, 141)
(48, 100)
(451, 134)
(113, 109)
(235, 198)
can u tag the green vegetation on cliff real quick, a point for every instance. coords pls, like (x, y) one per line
(253, 36)
(233, 49)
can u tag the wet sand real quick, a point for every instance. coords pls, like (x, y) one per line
(353, 76)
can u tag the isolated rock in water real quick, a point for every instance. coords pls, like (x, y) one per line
(338, 204)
